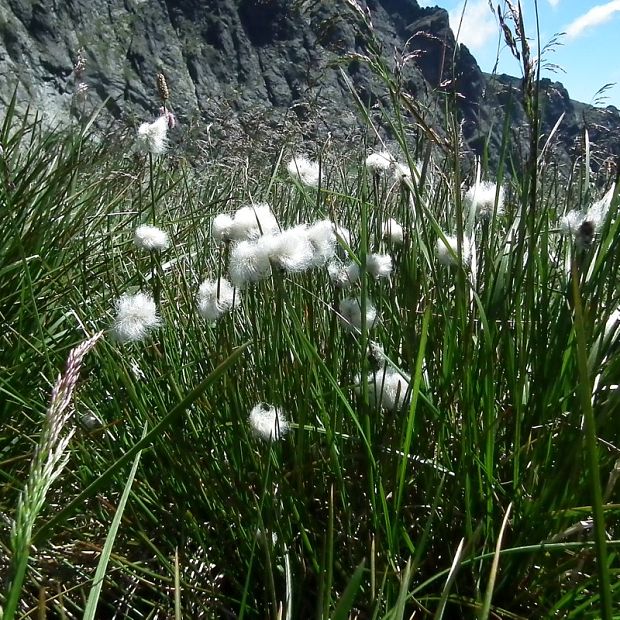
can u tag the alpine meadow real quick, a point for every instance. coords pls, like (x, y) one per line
(374, 380)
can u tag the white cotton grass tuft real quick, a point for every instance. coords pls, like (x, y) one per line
(387, 388)
(393, 231)
(598, 211)
(291, 250)
(216, 298)
(480, 198)
(447, 254)
(153, 137)
(570, 222)
(350, 314)
(221, 227)
(249, 263)
(136, 315)
(342, 276)
(379, 162)
(252, 221)
(268, 423)
(304, 170)
(323, 240)
(147, 237)
(379, 265)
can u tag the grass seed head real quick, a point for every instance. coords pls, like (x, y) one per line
(148, 237)
(268, 423)
(216, 298)
(136, 315)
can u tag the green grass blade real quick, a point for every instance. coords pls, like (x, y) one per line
(93, 598)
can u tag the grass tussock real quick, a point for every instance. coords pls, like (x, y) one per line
(356, 388)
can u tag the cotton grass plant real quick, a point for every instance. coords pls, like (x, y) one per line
(432, 427)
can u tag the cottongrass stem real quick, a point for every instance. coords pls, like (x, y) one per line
(49, 460)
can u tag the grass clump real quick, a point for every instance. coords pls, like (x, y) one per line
(353, 388)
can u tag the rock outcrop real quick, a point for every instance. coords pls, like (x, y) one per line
(255, 63)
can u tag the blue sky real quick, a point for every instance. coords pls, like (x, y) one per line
(587, 57)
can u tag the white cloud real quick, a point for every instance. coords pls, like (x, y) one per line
(553, 3)
(594, 17)
(478, 25)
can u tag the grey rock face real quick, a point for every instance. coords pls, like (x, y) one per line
(269, 59)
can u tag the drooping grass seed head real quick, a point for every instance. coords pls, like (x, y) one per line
(249, 263)
(153, 137)
(304, 170)
(136, 316)
(216, 298)
(147, 237)
(268, 423)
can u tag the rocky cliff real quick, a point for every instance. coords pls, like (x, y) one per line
(252, 64)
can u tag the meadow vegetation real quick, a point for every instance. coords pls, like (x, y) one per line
(364, 384)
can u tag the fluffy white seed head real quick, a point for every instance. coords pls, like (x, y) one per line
(216, 298)
(393, 231)
(387, 388)
(323, 239)
(268, 423)
(379, 162)
(136, 315)
(570, 223)
(445, 256)
(221, 227)
(249, 262)
(481, 198)
(304, 170)
(148, 237)
(379, 265)
(152, 137)
(598, 211)
(402, 172)
(341, 276)
(291, 250)
(350, 314)
(252, 221)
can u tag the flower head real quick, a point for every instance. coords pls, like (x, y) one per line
(323, 240)
(152, 137)
(148, 237)
(216, 298)
(249, 262)
(379, 265)
(252, 221)
(136, 315)
(387, 388)
(221, 227)
(393, 231)
(343, 276)
(481, 198)
(291, 249)
(350, 315)
(268, 423)
(446, 253)
(379, 162)
(570, 223)
(305, 171)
